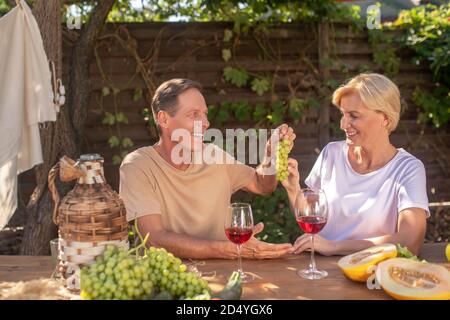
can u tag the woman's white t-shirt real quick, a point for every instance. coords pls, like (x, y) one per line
(366, 205)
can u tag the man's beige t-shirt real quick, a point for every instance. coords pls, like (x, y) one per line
(192, 202)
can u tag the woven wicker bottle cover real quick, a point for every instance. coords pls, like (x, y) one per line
(90, 217)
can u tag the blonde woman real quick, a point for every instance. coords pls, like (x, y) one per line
(375, 191)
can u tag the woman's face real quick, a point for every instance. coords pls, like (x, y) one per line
(362, 126)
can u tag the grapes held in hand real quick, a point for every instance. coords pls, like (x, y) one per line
(281, 165)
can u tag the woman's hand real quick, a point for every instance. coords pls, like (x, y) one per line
(292, 182)
(321, 245)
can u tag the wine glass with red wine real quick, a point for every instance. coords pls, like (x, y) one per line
(311, 213)
(239, 229)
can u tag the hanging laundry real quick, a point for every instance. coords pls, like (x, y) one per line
(26, 99)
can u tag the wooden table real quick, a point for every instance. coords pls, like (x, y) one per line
(273, 279)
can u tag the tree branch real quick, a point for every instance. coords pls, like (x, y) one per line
(81, 57)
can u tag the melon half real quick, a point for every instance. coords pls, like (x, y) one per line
(356, 266)
(405, 279)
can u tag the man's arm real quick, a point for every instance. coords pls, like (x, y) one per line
(182, 245)
(185, 246)
(262, 183)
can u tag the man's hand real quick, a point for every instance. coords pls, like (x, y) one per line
(281, 132)
(256, 249)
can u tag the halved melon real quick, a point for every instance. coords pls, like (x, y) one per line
(405, 279)
(356, 265)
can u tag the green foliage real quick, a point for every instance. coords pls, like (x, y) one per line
(241, 111)
(114, 120)
(114, 141)
(109, 119)
(434, 105)
(243, 13)
(148, 117)
(385, 51)
(296, 109)
(277, 115)
(127, 142)
(312, 102)
(260, 112)
(336, 131)
(4, 7)
(238, 77)
(226, 54)
(274, 211)
(121, 118)
(227, 35)
(332, 84)
(106, 91)
(260, 86)
(116, 160)
(255, 11)
(219, 114)
(137, 95)
(426, 31)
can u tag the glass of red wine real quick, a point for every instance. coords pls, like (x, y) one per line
(311, 213)
(239, 229)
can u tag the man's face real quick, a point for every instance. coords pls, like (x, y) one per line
(191, 109)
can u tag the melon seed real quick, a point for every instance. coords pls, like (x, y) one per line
(413, 279)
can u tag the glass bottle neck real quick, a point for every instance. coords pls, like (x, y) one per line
(92, 172)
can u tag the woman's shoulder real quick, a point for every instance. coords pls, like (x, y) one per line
(407, 159)
(338, 145)
(333, 148)
(407, 164)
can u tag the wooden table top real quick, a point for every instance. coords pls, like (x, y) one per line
(273, 279)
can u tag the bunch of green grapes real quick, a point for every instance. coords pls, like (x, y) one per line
(281, 165)
(117, 274)
(169, 274)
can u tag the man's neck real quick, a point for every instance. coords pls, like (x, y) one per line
(164, 148)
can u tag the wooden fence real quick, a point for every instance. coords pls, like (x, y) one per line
(194, 50)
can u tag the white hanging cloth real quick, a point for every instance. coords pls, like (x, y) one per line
(26, 99)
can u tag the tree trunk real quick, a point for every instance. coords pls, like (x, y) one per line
(62, 137)
(39, 228)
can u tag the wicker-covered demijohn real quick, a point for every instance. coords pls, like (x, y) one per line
(90, 217)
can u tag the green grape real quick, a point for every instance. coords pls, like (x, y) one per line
(119, 275)
(281, 165)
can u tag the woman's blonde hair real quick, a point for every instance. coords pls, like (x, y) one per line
(377, 92)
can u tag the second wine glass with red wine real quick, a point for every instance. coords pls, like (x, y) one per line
(239, 229)
(311, 213)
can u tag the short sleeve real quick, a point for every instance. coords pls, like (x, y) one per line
(239, 174)
(137, 192)
(412, 190)
(313, 180)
